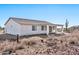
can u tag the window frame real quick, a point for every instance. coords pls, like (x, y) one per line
(43, 27)
(34, 28)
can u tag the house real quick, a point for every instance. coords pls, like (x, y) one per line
(29, 27)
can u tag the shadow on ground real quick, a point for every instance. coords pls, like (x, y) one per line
(10, 37)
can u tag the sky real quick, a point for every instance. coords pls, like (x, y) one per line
(54, 13)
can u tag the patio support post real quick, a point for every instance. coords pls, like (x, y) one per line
(55, 29)
(62, 29)
(47, 30)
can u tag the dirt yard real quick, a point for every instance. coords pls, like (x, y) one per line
(53, 44)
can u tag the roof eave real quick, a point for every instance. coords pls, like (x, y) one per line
(7, 21)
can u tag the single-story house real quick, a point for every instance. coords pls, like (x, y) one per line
(30, 27)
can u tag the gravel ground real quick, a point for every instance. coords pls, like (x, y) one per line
(67, 44)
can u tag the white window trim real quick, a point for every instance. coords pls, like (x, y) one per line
(35, 28)
(44, 29)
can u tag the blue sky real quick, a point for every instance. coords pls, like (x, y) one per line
(55, 13)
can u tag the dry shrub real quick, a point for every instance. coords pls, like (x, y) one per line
(72, 42)
(28, 42)
(37, 45)
(19, 47)
(31, 41)
(51, 44)
(42, 41)
(10, 47)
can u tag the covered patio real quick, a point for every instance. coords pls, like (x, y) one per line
(55, 28)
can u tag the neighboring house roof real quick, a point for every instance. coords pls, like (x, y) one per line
(23, 21)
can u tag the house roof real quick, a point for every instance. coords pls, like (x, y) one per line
(23, 21)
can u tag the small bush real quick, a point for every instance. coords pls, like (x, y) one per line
(72, 42)
(61, 41)
(7, 51)
(28, 42)
(19, 48)
(50, 44)
(42, 41)
(31, 43)
(36, 52)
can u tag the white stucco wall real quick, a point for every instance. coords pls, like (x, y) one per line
(12, 28)
(27, 30)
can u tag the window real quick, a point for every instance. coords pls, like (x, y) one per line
(54, 27)
(34, 28)
(43, 28)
